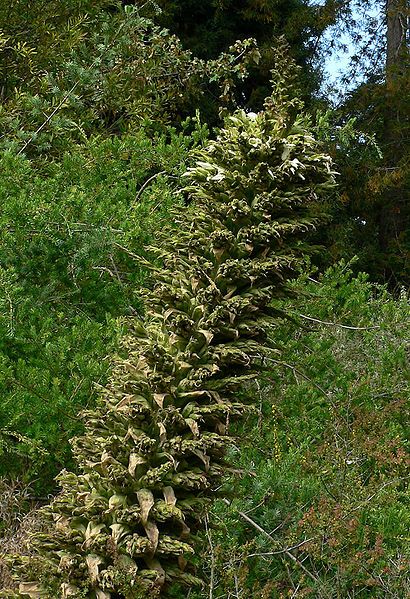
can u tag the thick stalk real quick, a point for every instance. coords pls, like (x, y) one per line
(397, 15)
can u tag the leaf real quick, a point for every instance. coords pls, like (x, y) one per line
(218, 252)
(153, 534)
(93, 561)
(162, 432)
(154, 564)
(146, 501)
(182, 562)
(68, 590)
(92, 531)
(134, 461)
(62, 523)
(207, 334)
(193, 425)
(286, 152)
(159, 399)
(169, 496)
(186, 531)
(32, 589)
(117, 501)
(119, 531)
(202, 456)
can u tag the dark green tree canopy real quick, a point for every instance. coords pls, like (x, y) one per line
(209, 27)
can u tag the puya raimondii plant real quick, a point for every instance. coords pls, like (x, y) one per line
(155, 447)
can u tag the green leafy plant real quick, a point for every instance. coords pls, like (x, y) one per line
(71, 238)
(321, 507)
(154, 451)
(107, 72)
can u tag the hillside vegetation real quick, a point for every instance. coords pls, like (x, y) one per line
(204, 312)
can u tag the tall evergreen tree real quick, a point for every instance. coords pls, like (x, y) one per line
(374, 218)
(394, 221)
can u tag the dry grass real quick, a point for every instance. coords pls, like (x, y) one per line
(19, 518)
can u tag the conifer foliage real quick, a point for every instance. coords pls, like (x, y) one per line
(155, 448)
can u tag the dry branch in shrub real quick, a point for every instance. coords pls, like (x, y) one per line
(19, 519)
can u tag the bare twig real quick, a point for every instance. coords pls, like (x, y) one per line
(115, 269)
(85, 228)
(76, 389)
(302, 374)
(268, 536)
(285, 550)
(50, 116)
(32, 390)
(144, 186)
(113, 275)
(236, 585)
(336, 324)
(127, 251)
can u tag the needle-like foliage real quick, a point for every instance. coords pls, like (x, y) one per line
(155, 447)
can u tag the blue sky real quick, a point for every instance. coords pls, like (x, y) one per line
(338, 63)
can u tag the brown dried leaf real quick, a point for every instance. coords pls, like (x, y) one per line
(193, 425)
(32, 589)
(186, 531)
(68, 590)
(182, 563)
(162, 432)
(146, 501)
(159, 399)
(153, 535)
(62, 523)
(221, 428)
(92, 531)
(202, 456)
(93, 561)
(207, 334)
(218, 253)
(134, 461)
(169, 496)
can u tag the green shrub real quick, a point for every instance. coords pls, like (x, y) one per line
(325, 463)
(97, 68)
(71, 242)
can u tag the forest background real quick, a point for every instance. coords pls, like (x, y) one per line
(102, 105)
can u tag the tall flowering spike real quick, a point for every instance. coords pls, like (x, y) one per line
(154, 451)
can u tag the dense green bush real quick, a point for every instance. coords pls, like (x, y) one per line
(324, 469)
(67, 271)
